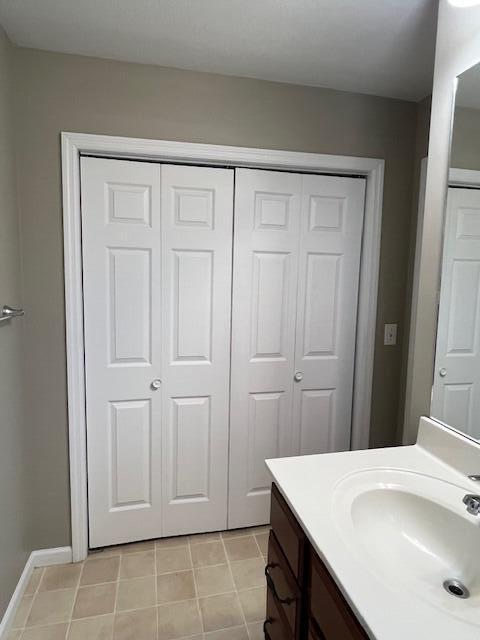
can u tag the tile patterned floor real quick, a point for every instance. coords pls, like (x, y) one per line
(204, 587)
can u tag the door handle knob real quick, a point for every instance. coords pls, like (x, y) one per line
(156, 384)
(442, 372)
(298, 376)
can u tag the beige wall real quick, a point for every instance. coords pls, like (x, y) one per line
(465, 152)
(14, 501)
(457, 49)
(421, 151)
(60, 92)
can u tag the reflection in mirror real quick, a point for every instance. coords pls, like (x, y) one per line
(456, 385)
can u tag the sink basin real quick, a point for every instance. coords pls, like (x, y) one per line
(413, 532)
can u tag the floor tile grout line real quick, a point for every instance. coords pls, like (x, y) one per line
(118, 612)
(116, 597)
(259, 555)
(69, 623)
(37, 588)
(197, 597)
(207, 566)
(34, 595)
(75, 596)
(162, 604)
(236, 589)
(157, 633)
(147, 575)
(256, 542)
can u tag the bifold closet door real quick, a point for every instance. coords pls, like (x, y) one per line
(327, 302)
(157, 271)
(122, 304)
(197, 219)
(296, 271)
(265, 263)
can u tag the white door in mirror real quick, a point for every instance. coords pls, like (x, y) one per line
(456, 386)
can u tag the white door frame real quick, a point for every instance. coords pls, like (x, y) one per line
(456, 178)
(75, 144)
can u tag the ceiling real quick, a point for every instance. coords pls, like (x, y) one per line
(380, 47)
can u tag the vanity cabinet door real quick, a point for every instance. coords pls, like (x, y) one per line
(275, 626)
(288, 533)
(327, 607)
(283, 585)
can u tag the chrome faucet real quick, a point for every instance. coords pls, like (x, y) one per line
(473, 503)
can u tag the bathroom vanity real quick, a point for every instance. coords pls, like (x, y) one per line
(302, 597)
(376, 544)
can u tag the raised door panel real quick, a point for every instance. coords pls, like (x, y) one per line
(130, 454)
(462, 332)
(194, 207)
(456, 386)
(269, 300)
(328, 276)
(122, 299)
(129, 203)
(267, 218)
(192, 310)
(457, 404)
(264, 428)
(129, 285)
(321, 304)
(190, 439)
(317, 420)
(197, 221)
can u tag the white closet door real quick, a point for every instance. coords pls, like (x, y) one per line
(329, 268)
(297, 252)
(157, 297)
(456, 385)
(197, 217)
(122, 302)
(267, 217)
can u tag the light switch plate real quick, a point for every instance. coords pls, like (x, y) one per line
(390, 335)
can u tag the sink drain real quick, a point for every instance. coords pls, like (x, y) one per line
(456, 588)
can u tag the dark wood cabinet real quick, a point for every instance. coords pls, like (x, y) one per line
(289, 534)
(303, 600)
(283, 586)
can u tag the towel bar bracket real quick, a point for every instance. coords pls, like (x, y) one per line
(9, 312)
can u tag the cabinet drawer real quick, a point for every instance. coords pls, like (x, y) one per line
(288, 533)
(328, 608)
(275, 626)
(283, 585)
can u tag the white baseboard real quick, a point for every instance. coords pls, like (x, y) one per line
(40, 558)
(46, 557)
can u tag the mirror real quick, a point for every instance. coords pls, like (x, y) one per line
(456, 384)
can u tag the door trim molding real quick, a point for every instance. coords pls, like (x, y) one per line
(76, 144)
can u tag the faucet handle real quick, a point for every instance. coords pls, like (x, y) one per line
(475, 477)
(473, 503)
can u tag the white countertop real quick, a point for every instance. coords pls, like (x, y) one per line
(387, 611)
